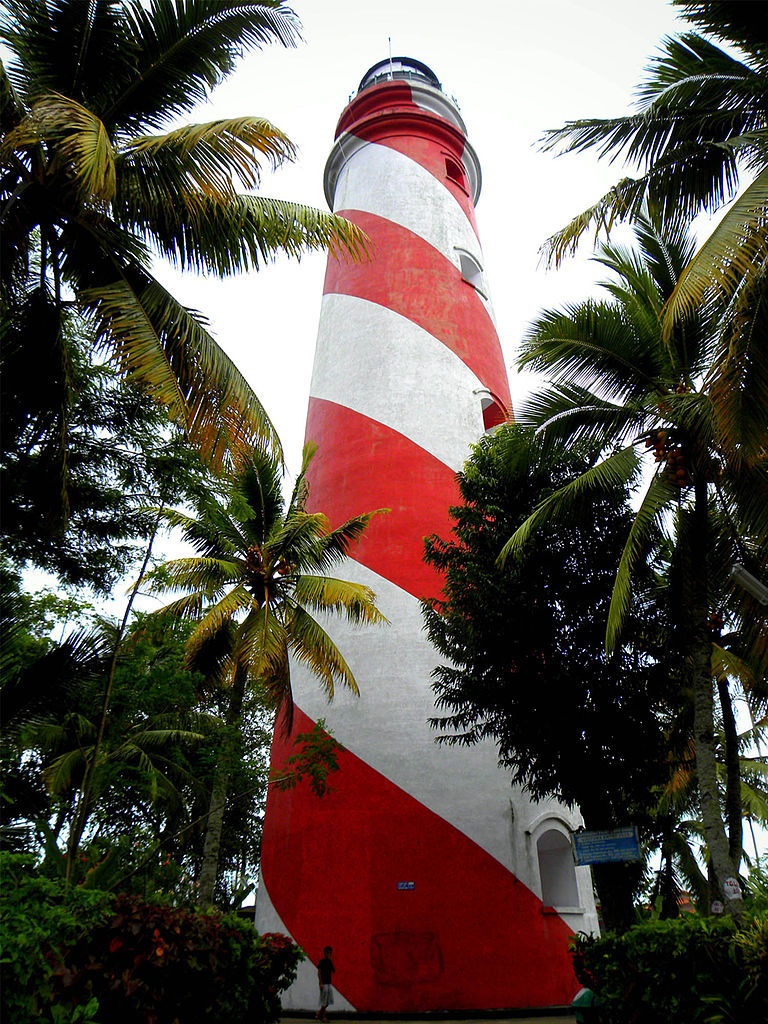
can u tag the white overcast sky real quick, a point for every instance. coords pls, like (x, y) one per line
(515, 69)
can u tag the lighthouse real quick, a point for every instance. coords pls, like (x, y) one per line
(438, 884)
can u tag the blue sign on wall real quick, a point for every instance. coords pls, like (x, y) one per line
(406, 885)
(601, 847)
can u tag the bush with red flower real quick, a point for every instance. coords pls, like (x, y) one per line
(130, 961)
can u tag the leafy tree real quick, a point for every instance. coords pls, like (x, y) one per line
(142, 764)
(145, 825)
(74, 955)
(525, 660)
(618, 379)
(75, 479)
(258, 577)
(97, 174)
(701, 123)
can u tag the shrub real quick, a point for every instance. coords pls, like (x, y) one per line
(33, 916)
(94, 956)
(693, 970)
(159, 964)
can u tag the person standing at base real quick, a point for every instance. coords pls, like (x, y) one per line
(325, 971)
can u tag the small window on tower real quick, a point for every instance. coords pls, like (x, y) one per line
(493, 414)
(472, 272)
(455, 172)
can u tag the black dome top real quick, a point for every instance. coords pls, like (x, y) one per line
(398, 67)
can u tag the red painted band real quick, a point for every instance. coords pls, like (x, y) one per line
(395, 94)
(386, 114)
(410, 277)
(362, 465)
(468, 935)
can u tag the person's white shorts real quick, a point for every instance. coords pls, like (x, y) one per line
(326, 995)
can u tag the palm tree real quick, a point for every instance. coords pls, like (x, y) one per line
(97, 175)
(50, 728)
(701, 120)
(681, 829)
(616, 377)
(701, 128)
(258, 577)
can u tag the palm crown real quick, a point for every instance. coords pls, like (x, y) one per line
(97, 175)
(619, 377)
(254, 587)
(701, 123)
(258, 580)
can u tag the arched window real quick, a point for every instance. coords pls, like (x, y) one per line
(471, 271)
(493, 413)
(455, 172)
(556, 870)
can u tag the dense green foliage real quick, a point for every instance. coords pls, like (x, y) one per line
(98, 176)
(254, 588)
(146, 822)
(34, 918)
(163, 964)
(526, 663)
(699, 138)
(95, 956)
(694, 970)
(78, 466)
(661, 408)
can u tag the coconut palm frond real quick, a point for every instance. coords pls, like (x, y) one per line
(201, 159)
(588, 345)
(261, 647)
(182, 51)
(225, 609)
(355, 600)
(312, 646)
(168, 348)
(623, 202)
(207, 576)
(567, 411)
(63, 771)
(619, 468)
(187, 607)
(727, 664)
(655, 501)
(737, 380)
(736, 250)
(83, 147)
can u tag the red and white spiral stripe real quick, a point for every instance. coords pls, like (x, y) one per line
(413, 868)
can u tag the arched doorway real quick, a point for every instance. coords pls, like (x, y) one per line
(556, 870)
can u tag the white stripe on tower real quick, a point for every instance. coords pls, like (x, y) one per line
(406, 867)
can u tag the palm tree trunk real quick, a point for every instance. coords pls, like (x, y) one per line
(85, 804)
(209, 868)
(699, 669)
(669, 905)
(733, 806)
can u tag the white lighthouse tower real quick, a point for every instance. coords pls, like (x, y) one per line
(438, 885)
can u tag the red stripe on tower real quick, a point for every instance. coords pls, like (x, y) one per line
(516, 955)
(417, 281)
(423, 868)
